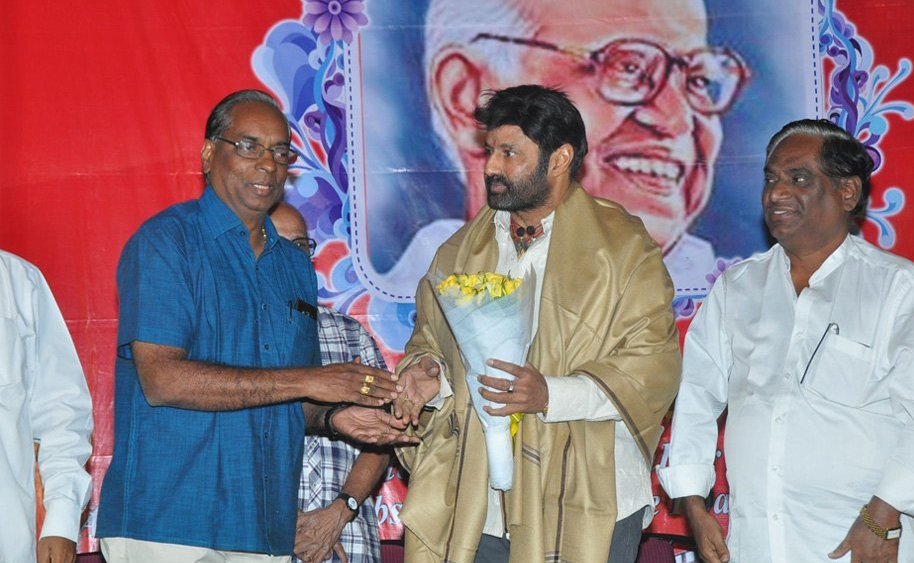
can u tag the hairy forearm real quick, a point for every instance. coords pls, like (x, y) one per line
(314, 417)
(168, 379)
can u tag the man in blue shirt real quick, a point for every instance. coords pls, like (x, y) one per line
(217, 344)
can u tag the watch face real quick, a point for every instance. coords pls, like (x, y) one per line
(893, 534)
(352, 504)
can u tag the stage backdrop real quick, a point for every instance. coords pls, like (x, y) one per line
(104, 105)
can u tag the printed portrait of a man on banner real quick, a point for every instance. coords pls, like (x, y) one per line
(671, 93)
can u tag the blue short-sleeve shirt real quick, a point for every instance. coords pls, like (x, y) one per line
(224, 480)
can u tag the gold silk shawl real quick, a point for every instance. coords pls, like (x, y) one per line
(605, 312)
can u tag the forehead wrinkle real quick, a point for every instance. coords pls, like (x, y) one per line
(680, 26)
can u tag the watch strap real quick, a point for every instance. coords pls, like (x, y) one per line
(350, 502)
(883, 533)
(329, 430)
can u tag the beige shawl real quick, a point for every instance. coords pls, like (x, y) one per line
(605, 312)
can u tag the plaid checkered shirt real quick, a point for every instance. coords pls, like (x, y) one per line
(327, 462)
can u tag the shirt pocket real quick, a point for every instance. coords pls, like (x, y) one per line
(300, 334)
(842, 371)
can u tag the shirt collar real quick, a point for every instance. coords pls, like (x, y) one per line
(834, 260)
(219, 219)
(832, 263)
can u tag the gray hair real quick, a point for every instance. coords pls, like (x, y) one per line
(220, 118)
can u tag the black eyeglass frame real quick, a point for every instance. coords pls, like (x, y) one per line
(305, 244)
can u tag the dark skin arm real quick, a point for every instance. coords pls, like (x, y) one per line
(317, 532)
(706, 530)
(168, 378)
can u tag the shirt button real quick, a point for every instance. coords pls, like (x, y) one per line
(786, 376)
(266, 346)
(264, 306)
(779, 420)
(775, 517)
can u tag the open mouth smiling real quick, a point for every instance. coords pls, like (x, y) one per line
(656, 175)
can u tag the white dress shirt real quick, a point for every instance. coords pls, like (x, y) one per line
(573, 397)
(820, 390)
(43, 398)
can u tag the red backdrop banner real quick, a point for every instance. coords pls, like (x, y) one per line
(102, 116)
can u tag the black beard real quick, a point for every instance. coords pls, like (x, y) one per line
(524, 194)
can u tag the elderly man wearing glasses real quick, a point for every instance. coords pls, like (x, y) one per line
(644, 79)
(217, 346)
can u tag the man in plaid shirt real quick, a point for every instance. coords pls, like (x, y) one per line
(336, 476)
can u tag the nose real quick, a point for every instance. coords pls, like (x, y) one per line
(668, 113)
(492, 164)
(775, 191)
(266, 162)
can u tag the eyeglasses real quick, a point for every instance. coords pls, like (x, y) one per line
(307, 244)
(633, 71)
(245, 148)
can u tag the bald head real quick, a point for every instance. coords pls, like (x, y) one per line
(288, 222)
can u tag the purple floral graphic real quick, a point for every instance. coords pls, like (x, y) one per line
(684, 307)
(334, 19)
(858, 99)
(302, 63)
(720, 268)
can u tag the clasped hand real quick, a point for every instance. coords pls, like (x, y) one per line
(357, 383)
(527, 393)
(371, 426)
(419, 383)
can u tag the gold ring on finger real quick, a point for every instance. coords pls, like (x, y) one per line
(369, 379)
(366, 389)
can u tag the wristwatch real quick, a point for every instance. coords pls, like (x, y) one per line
(350, 503)
(884, 533)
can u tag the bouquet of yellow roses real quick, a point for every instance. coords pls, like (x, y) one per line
(491, 316)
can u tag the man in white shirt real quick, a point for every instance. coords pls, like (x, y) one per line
(810, 346)
(43, 399)
(601, 372)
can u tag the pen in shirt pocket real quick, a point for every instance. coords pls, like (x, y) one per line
(831, 327)
(302, 307)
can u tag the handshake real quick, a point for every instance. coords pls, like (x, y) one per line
(372, 406)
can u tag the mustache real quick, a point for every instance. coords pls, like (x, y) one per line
(491, 179)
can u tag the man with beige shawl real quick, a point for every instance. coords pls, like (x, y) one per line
(602, 369)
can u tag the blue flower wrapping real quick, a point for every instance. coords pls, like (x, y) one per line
(492, 328)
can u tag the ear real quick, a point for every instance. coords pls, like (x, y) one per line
(560, 160)
(851, 190)
(454, 91)
(206, 155)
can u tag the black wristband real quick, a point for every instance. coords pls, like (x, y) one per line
(328, 427)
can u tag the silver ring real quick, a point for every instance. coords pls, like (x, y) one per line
(511, 387)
